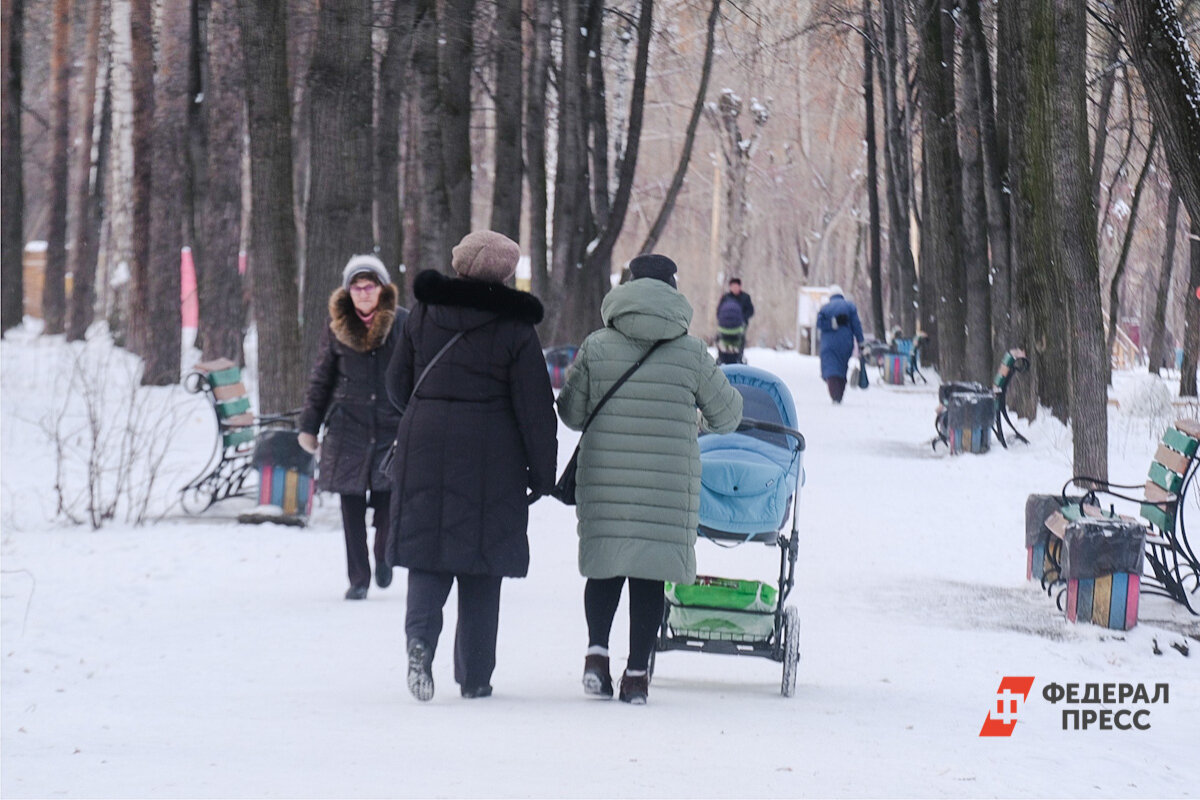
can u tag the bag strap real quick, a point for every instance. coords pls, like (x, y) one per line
(429, 366)
(612, 390)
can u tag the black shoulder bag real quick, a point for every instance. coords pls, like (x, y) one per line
(386, 466)
(564, 490)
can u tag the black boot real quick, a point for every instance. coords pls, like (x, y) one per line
(635, 688)
(420, 677)
(597, 680)
(383, 574)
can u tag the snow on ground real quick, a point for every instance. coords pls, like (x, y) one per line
(195, 657)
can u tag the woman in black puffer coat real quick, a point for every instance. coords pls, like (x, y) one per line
(348, 392)
(476, 444)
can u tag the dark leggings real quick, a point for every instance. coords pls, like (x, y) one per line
(837, 388)
(354, 524)
(600, 599)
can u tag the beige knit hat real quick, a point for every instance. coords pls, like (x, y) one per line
(486, 256)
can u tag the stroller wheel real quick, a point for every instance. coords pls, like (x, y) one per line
(791, 650)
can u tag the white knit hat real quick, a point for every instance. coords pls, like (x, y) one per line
(835, 290)
(357, 265)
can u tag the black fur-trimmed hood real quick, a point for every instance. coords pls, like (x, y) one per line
(435, 289)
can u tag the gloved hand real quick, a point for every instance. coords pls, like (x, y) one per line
(307, 441)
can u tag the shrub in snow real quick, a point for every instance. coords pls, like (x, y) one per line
(1145, 396)
(109, 436)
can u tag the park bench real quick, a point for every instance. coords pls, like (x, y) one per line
(966, 417)
(1014, 361)
(1171, 568)
(231, 463)
(902, 362)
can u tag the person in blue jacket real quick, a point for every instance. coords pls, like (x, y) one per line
(840, 328)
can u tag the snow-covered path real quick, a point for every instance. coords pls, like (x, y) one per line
(199, 658)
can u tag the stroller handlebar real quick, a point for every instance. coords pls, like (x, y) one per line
(771, 427)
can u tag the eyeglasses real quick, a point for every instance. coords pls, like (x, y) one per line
(364, 288)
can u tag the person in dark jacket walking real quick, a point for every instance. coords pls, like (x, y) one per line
(347, 391)
(840, 328)
(742, 298)
(476, 445)
(638, 477)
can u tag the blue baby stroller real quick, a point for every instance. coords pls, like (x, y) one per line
(750, 483)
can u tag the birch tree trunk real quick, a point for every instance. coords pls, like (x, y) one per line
(1191, 336)
(434, 204)
(86, 245)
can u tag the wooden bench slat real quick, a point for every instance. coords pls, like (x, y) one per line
(1157, 494)
(1176, 462)
(1165, 478)
(1163, 519)
(215, 365)
(230, 392)
(1189, 426)
(1180, 442)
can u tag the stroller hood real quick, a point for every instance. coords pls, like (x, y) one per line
(646, 309)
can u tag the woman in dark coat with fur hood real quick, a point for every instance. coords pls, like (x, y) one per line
(347, 392)
(476, 444)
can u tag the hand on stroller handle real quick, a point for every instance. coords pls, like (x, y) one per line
(771, 427)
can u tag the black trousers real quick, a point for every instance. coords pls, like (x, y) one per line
(600, 599)
(478, 620)
(837, 388)
(354, 524)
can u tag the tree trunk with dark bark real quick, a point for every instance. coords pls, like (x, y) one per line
(282, 371)
(896, 148)
(338, 216)
(875, 266)
(219, 215)
(995, 176)
(979, 360)
(535, 146)
(507, 186)
(169, 183)
(1159, 357)
(434, 203)
(574, 302)
(12, 203)
(141, 68)
(943, 225)
(1089, 360)
(689, 137)
(1114, 287)
(54, 292)
(1191, 335)
(455, 69)
(1160, 50)
(393, 77)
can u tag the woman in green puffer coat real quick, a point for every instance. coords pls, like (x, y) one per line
(638, 479)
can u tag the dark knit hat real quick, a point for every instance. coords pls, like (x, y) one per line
(654, 266)
(486, 256)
